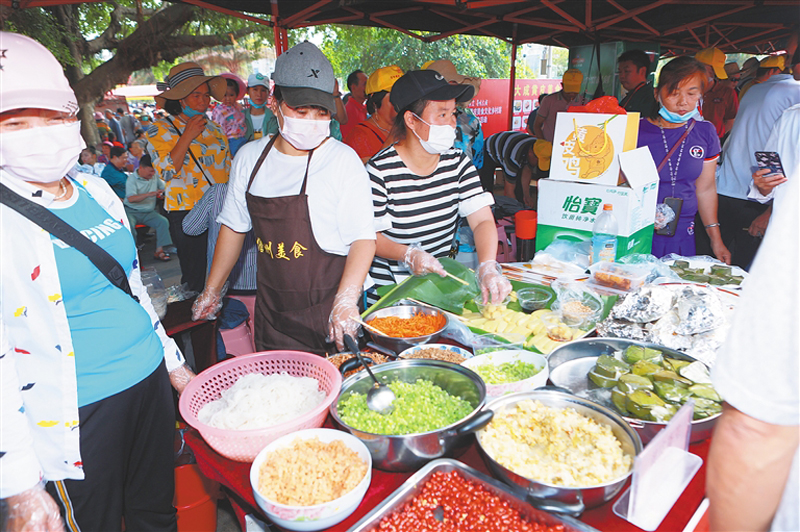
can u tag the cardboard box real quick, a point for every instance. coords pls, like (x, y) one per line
(585, 146)
(568, 210)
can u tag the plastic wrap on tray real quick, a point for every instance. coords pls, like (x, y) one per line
(611, 328)
(699, 309)
(663, 332)
(648, 303)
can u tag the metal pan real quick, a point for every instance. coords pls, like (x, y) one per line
(413, 486)
(570, 364)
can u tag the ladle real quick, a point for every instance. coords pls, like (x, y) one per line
(380, 398)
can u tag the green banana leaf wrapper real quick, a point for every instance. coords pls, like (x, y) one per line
(442, 292)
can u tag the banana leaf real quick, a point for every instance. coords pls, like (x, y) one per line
(442, 292)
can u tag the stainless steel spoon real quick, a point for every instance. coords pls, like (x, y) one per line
(380, 398)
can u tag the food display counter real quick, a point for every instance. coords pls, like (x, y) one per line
(234, 476)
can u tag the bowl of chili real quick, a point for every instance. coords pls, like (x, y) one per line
(405, 326)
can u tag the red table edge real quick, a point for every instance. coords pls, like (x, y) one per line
(235, 477)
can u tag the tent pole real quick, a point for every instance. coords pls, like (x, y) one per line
(281, 40)
(512, 78)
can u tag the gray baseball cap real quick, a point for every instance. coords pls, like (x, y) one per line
(305, 77)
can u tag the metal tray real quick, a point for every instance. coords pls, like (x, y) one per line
(413, 486)
(569, 367)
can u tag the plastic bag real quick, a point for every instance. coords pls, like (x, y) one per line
(656, 267)
(664, 215)
(564, 256)
(569, 293)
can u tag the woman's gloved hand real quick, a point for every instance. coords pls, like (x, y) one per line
(341, 322)
(180, 377)
(494, 287)
(420, 262)
(208, 304)
(33, 510)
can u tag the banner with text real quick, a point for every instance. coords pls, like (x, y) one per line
(491, 103)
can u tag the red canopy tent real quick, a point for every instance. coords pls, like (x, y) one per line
(679, 26)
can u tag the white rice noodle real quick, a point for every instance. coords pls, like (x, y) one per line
(256, 401)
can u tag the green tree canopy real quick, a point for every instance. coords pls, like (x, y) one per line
(102, 44)
(352, 48)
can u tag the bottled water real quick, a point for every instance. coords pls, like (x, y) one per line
(604, 236)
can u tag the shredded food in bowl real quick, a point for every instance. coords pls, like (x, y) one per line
(310, 472)
(557, 446)
(420, 324)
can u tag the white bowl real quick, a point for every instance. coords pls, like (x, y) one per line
(318, 516)
(501, 357)
(446, 347)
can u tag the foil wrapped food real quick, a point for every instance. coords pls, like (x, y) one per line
(699, 309)
(646, 304)
(665, 332)
(690, 318)
(611, 328)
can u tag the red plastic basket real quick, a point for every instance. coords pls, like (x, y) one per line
(244, 445)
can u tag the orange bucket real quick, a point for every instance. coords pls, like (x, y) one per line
(195, 499)
(525, 224)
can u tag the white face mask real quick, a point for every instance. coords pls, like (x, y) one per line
(41, 154)
(440, 138)
(303, 133)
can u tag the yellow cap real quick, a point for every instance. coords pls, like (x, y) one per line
(571, 80)
(383, 79)
(715, 58)
(773, 61)
(427, 64)
(543, 150)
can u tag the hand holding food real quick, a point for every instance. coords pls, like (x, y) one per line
(343, 315)
(420, 262)
(494, 287)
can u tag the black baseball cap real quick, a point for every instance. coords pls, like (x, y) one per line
(426, 85)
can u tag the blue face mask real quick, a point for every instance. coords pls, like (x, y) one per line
(676, 118)
(257, 106)
(188, 111)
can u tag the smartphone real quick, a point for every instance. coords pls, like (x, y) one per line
(770, 160)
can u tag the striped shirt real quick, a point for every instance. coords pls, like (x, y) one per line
(421, 209)
(204, 217)
(510, 149)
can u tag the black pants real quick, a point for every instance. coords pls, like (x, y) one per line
(735, 216)
(127, 446)
(191, 251)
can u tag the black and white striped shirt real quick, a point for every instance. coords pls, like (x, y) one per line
(421, 209)
(510, 149)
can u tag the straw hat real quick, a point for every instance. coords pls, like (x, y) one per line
(183, 79)
(446, 68)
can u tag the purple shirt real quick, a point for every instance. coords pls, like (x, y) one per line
(700, 146)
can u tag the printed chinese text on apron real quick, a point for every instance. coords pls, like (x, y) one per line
(297, 280)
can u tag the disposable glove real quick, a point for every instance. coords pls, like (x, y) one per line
(208, 304)
(420, 262)
(494, 287)
(345, 308)
(33, 510)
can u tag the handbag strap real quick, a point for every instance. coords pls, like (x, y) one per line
(57, 227)
(189, 149)
(675, 146)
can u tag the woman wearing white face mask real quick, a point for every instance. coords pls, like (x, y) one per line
(421, 185)
(86, 410)
(685, 151)
(307, 197)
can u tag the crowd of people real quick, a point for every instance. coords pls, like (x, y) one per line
(309, 201)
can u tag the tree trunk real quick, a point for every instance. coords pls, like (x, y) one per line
(65, 14)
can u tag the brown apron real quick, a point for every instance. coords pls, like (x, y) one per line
(297, 280)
